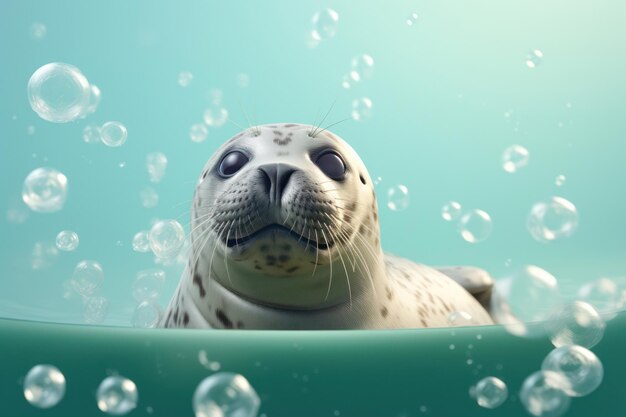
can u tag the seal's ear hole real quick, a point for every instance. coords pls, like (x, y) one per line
(362, 178)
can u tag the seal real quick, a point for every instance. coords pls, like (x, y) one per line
(285, 235)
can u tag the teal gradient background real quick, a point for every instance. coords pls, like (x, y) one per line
(441, 92)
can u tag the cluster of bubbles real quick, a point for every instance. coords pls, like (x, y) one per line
(198, 132)
(45, 190)
(398, 197)
(361, 108)
(112, 133)
(86, 282)
(567, 371)
(225, 394)
(67, 241)
(552, 219)
(146, 290)
(324, 24)
(60, 93)
(117, 395)
(361, 68)
(185, 78)
(149, 197)
(156, 163)
(534, 58)
(411, 19)
(514, 157)
(474, 226)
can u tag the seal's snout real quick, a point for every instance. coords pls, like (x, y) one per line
(276, 176)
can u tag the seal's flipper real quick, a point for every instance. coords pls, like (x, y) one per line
(476, 281)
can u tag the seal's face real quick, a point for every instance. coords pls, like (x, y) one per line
(278, 201)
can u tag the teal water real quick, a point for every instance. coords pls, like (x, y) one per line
(449, 94)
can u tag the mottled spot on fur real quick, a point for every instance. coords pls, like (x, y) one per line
(186, 319)
(239, 324)
(223, 318)
(197, 279)
(384, 311)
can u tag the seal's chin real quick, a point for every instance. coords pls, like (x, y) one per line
(277, 230)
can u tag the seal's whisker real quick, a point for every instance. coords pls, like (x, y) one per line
(344, 266)
(317, 252)
(236, 124)
(226, 253)
(324, 118)
(330, 281)
(212, 255)
(182, 202)
(331, 125)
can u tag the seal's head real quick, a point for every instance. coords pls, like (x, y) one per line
(277, 211)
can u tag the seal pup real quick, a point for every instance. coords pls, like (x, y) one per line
(285, 235)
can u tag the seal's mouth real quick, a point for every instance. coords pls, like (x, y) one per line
(275, 227)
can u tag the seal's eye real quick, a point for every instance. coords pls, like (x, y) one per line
(332, 165)
(231, 163)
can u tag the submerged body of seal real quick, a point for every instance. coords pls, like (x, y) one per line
(285, 236)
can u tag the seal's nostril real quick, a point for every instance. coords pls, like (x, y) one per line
(266, 180)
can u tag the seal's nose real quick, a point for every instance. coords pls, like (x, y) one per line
(276, 177)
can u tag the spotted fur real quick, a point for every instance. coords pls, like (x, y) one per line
(315, 260)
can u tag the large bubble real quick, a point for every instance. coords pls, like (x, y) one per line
(59, 92)
(542, 394)
(580, 367)
(553, 219)
(225, 394)
(117, 395)
(45, 190)
(44, 386)
(166, 238)
(576, 323)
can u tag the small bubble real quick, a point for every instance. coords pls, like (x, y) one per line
(412, 19)
(560, 180)
(30, 130)
(95, 309)
(534, 58)
(553, 219)
(122, 164)
(377, 180)
(325, 24)
(148, 284)
(117, 395)
(451, 211)
(577, 323)
(362, 67)
(452, 347)
(44, 386)
(215, 115)
(398, 197)
(542, 394)
(475, 226)
(198, 132)
(141, 242)
(361, 108)
(149, 197)
(346, 81)
(166, 238)
(67, 241)
(147, 315)
(491, 392)
(87, 277)
(514, 157)
(45, 190)
(37, 31)
(156, 163)
(225, 394)
(185, 78)
(58, 92)
(580, 367)
(113, 134)
(243, 80)
(43, 255)
(92, 134)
